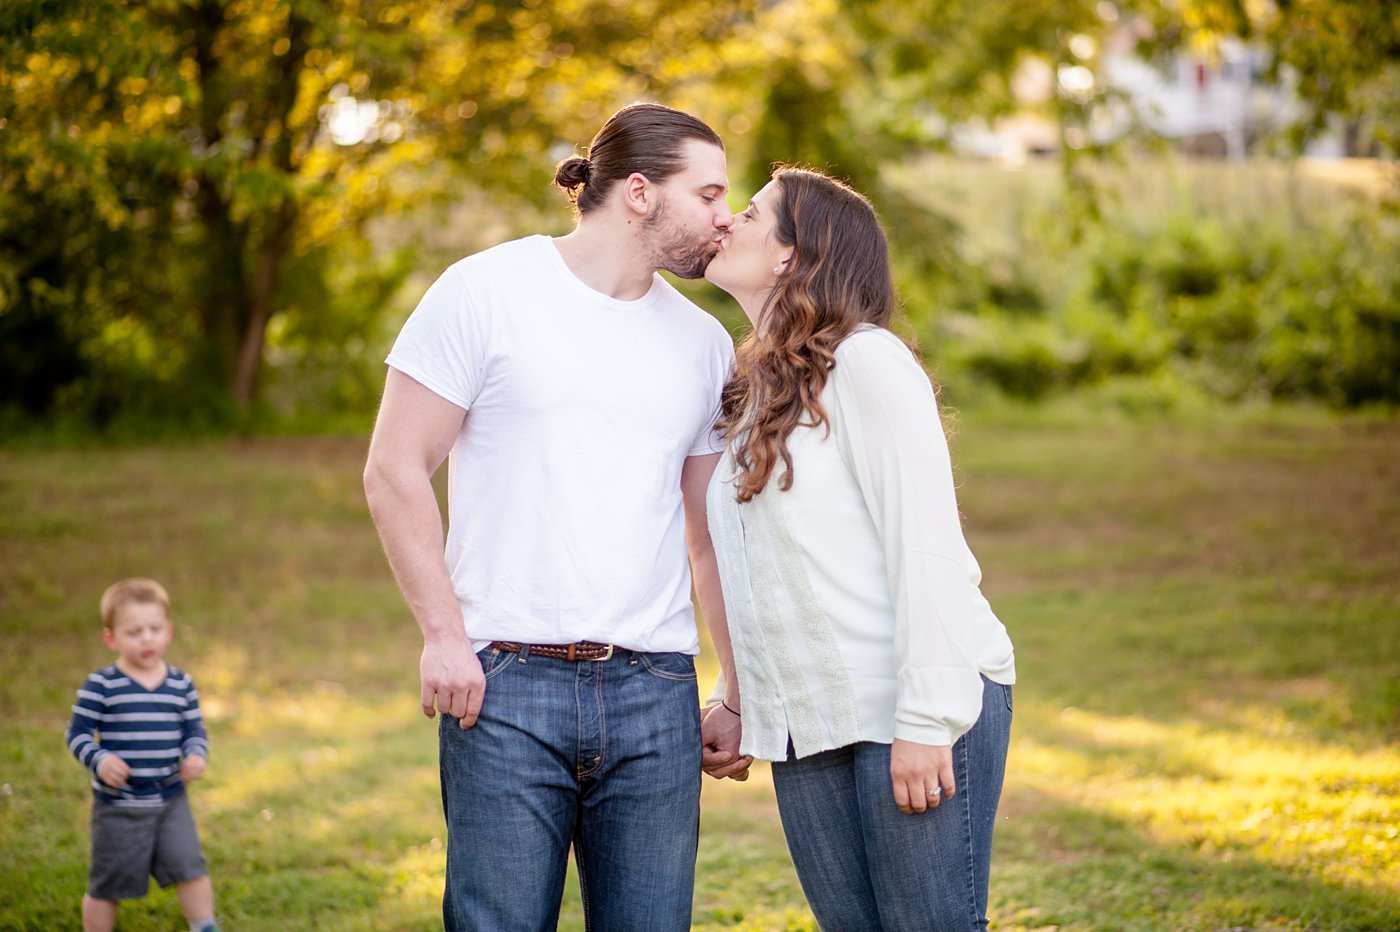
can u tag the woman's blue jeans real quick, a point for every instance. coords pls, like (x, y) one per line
(603, 755)
(864, 865)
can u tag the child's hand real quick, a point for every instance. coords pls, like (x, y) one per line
(113, 771)
(192, 768)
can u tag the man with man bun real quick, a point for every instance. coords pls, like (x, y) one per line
(573, 393)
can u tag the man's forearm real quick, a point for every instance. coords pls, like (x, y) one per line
(705, 573)
(406, 513)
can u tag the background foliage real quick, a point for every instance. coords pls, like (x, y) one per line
(214, 211)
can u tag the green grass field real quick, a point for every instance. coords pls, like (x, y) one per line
(1207, 620)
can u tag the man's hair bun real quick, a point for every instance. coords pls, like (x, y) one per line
(572, 174)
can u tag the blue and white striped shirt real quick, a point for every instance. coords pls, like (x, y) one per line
(150, 729)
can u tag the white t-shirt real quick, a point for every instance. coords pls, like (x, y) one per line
(564, 497)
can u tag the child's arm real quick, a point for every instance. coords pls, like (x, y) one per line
(88, 713)
(194, 745)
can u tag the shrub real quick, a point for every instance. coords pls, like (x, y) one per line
(1237, 298)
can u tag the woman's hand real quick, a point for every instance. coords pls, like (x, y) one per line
(721, 732)
(922, 775)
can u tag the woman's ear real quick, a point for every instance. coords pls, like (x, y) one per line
(783, 258)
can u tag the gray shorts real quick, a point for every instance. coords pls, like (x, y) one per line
(131, 845)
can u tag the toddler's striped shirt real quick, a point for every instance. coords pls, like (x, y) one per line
(150, 729)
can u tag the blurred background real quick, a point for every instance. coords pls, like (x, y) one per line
(1150, 250)
(218, 213)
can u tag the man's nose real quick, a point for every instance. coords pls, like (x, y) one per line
(723, 217)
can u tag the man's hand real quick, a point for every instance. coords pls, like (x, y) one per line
(113, 771)
(192, 768)
(921, 775)
(720, 733)
(452, 680)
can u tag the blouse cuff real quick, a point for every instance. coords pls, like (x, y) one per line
(956, 694)
(931, 735)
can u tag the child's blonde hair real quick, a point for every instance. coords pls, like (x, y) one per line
(137, 589)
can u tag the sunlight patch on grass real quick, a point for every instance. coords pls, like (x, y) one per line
(1260, 793)
(414, 886)
(321, 737)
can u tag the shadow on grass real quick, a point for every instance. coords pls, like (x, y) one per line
(1063, 865)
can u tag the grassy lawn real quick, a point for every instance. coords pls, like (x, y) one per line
(1206, 614)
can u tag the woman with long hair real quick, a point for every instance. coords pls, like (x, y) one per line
(867, 665)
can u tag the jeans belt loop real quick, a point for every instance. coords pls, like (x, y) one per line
(524, 653)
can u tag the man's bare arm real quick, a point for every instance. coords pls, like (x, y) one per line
(413, 434)
(720, 729)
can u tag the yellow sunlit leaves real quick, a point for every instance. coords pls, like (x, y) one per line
(1261, 13)
(394, 14)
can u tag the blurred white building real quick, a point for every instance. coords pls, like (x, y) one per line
(1219, 104)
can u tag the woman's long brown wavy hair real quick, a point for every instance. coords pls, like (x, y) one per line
(837, 278)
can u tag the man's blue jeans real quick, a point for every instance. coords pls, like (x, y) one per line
(867, 867)
(603, 755)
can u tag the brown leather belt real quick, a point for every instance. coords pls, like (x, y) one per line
(580, 650)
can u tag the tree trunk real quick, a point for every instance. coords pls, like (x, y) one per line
(224, 290)
(269, 263)
(277, 239)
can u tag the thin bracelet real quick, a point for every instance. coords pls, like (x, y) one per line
(728, 709)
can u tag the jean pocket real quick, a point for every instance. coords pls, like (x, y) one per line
(1007, 690)
(670, 666)
(494, 661)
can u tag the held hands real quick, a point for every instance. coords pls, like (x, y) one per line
(720, 732)
(113, 771)
(192, 768)
(452, 680)
(922, 775)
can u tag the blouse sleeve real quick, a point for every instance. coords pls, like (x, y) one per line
(887, 426)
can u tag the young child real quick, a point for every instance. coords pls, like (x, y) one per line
(137, 727)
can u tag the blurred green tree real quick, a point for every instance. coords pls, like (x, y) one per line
(186, 185)
(178, 176)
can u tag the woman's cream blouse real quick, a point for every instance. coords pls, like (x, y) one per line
(852, 598)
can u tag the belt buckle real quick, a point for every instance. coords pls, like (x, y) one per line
(607, 656)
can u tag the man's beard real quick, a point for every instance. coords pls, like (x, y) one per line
(675, 251)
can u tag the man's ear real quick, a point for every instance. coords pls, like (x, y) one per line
(639, 194)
